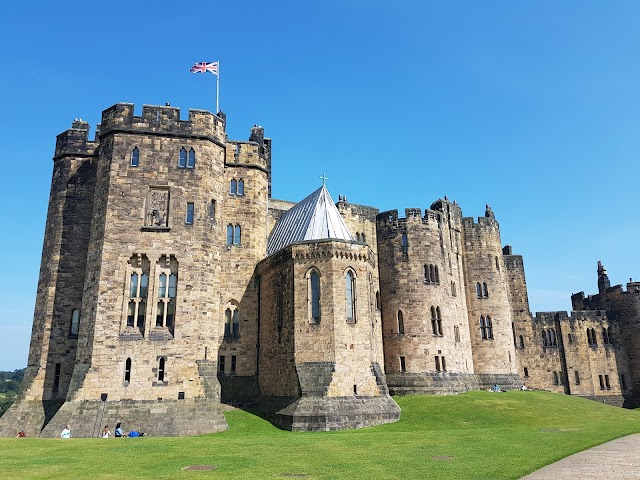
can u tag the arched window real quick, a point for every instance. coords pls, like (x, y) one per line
(240, 187)
(138, 288)
(437, 275)
(231, 321)
(478, 290)
(434, 326)
(483, 327)
(497, 264)
(438, 321)
(135, 157)
(405, 243)
(485, 290)
(127, 371)
(182, 160)
(593, 337)
(363, 238)
(350, 299)
(191, 160)
(489, 327)
(609, 336)
(400, 322)
(236, 236)
(167, 282)
(605, 336)
(456, 333)
(427, 274)
(554, 340)
(229, 234)
(544, 338)
(314, 280)
(75, 322)
(432, 273)
(161, 364)
(234, 187)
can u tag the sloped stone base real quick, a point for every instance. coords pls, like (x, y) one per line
(157, 418)
(448, 383)
(30, 416)
(313, 414)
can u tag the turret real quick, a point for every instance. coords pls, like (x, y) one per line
(603, 278)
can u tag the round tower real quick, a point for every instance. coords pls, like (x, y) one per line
(488, 302)
(425, 330)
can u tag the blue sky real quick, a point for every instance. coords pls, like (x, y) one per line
(532, 107)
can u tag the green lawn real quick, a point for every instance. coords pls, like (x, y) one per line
(475, 435)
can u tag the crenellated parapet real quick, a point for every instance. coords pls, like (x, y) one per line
(163, 121)
(75, 141)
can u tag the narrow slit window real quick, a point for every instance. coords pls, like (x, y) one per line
(315, 296)
(161, 365)
(190, 212)
(234, 187)
(127, 371)
(135, 157)
(75, 322)
(400, 322)
(350, 301)
(240, 187)
(236, 235)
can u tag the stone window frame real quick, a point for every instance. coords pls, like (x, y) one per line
(136, 322)
(601, 379)
(351, 302)
(234, 365)
(521, 341)
(403, 363)
(134, 160)
(128, 366)
(440, 363)
(57, 374)
(236, 187)
(211, 212)
(556, 378)
(486, 327)
(400, 322)
(314, 296)
(456, 334)
(478, 290)
(161, 372)
(190, 213)
(74, 327)
(592, 341)
(168, 266)
(404, 244)
(221, 365)
(576, 376)
(436, 321)
(526, 372)
(182, 158)
(485, 290)
(191, 159)
(234, 235)
(231, 321)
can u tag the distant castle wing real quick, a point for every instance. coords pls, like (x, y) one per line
(314, 218)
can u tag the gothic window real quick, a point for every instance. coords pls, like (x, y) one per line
(350, 297)
(231, 321)
(236, 235)
(489, 327)
(605, 336)
(135, 157)
(438, 321)
(229, 234)
(236, 153)
(314, 290)
(609, 336)
(601, 382)
(483, 328)
(400, 322)
(127, 371)
(362, 238)
(75, 322)
(405, 244)
(234, 187)
(138, 286)
(191, 160)
(544, 338)
(167, 279)
(182, 159)
(552, 340)
(497, 264)
(485, 290)
(436, 277)
(478, 290)
(456, 334)
(427, 274)
(190, 212)
(161, 371)
(240, 188)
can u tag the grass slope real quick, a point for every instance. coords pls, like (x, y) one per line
(475, 435)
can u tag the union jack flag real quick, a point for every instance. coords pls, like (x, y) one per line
(203, 67)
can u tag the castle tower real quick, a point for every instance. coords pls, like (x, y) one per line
(320, 356)
(148, 331)
(424, 312)
(488, 302)
(60, 285)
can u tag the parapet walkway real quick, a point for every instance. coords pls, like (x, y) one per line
(611, 461)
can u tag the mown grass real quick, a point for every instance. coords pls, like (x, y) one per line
(475, 435)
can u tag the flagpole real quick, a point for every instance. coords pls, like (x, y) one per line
(218, 90)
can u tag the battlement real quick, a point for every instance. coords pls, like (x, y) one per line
(164, 120)
(546, 318)
(75, 141)
(390, 218)
(482, 222)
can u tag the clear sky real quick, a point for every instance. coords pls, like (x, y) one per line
(530, 106)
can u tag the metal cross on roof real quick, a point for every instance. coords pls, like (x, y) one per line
(324, 179)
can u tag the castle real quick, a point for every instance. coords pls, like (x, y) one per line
(171, 281)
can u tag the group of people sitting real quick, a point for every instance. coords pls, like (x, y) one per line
(106, 433)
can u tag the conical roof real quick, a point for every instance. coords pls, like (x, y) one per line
(314, 218)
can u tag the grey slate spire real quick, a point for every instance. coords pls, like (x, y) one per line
(314, 218)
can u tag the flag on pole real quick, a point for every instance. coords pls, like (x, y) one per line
(203, 67)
